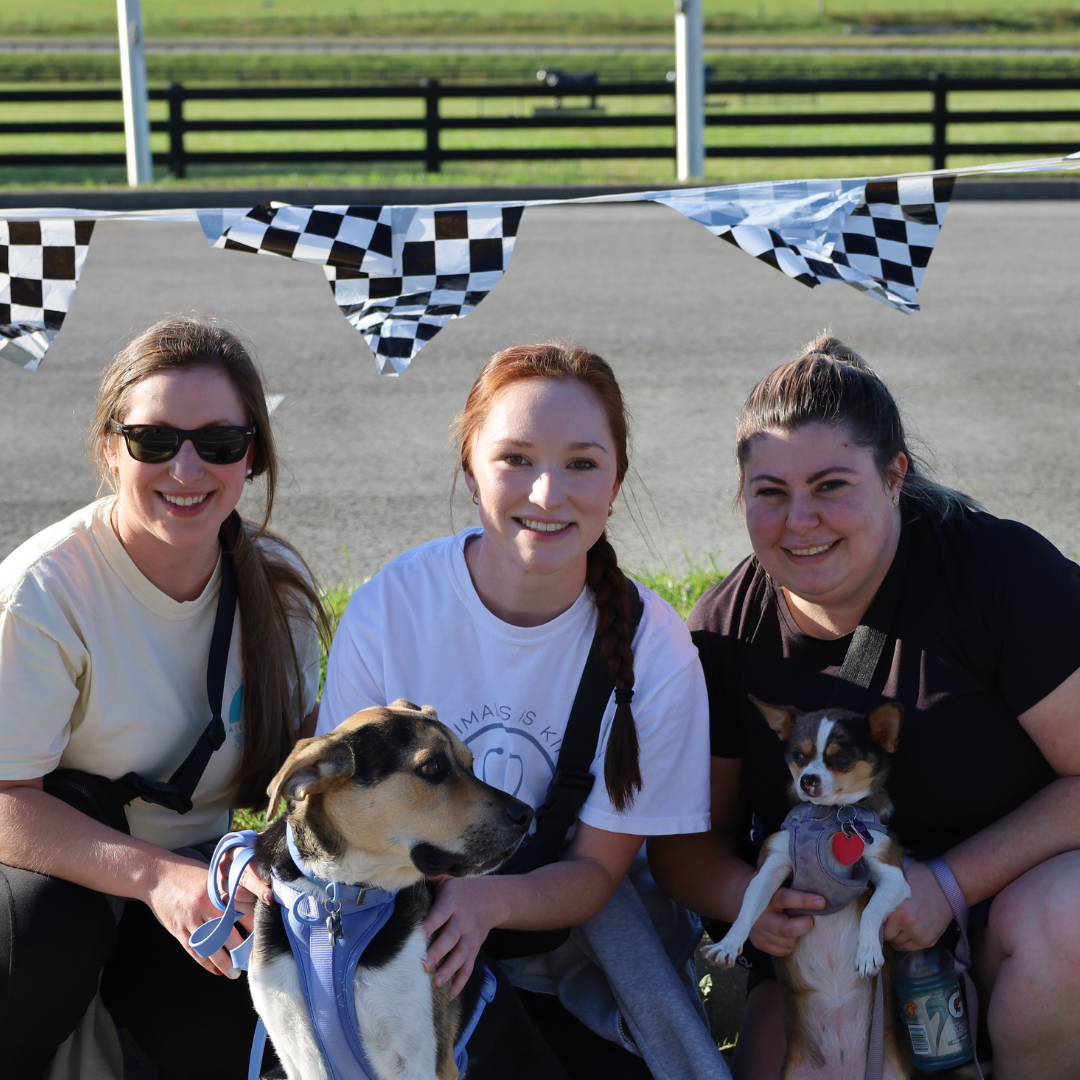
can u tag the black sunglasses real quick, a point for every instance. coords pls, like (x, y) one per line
(153, 444)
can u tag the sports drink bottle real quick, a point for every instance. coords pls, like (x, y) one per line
(932, 1008)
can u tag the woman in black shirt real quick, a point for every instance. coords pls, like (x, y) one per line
(984, 654)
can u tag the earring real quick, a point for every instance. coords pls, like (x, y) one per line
(895, 500)
(249, 472)
(610, 509)
(475, 499)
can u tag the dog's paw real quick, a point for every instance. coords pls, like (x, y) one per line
(724, 953)
(869, 958)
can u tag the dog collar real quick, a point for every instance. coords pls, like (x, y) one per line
(356, 893)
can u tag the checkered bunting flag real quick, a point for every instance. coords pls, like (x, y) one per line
(40, 263)
(875, 236)
(398, 273)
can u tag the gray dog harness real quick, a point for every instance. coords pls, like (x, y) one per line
(810, 830)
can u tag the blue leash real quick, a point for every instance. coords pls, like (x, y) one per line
(350, 916)
(212, 936)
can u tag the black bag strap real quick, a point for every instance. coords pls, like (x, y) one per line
(868, 641)
(176, 793)
(572, 782)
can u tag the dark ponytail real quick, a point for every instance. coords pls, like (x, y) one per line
(830, 383)
(274, 595)
(622, 769)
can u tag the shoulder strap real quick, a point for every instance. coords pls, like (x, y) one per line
(572, 782)
(177, 791)
(868, 641)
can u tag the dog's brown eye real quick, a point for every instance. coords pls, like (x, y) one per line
(434, 769)
(841, 761)
(798, 757)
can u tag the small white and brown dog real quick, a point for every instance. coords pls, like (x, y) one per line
(388, 799)
(834, 843)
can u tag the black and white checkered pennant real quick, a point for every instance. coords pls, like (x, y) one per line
(809, 230)
(40, 263)
(399, 274)
(450, 260)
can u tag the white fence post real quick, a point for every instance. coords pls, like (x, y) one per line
(133, 74)
(689, 90)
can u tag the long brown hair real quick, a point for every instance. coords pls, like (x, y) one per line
(622, 772)
(830, 383)
(274, 586)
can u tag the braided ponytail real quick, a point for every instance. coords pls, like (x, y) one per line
(622, 770)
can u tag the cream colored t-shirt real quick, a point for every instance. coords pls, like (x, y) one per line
(101, 671)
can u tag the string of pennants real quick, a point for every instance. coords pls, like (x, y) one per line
(399, 274)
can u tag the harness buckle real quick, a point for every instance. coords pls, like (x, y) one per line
(333, 925)
(333, 914)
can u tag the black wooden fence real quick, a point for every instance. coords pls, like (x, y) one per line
(939, 116)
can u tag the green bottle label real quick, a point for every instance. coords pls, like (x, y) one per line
(937, 1027)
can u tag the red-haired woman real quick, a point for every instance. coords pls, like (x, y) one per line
(493, 627)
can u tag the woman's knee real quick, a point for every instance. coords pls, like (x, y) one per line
(1036, 915)
(55, 937)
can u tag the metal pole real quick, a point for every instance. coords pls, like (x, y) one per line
(133, 75)
(689, 91)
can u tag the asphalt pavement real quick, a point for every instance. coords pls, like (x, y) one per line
(987, 373)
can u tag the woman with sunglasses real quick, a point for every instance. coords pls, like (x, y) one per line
(106, 620)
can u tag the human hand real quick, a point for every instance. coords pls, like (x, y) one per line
(776, 933)
(921, 919)
(466, 909)
(177, 897)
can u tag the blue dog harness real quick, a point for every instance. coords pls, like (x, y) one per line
(810, 830)
(328, 935)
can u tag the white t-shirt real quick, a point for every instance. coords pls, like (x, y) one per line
(101, 671)
(418, 630)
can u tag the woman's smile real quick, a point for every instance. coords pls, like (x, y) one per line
(546, 527)
(184, 503)
(822, 520)
(543, 470)
(195, 496)
(807, 551)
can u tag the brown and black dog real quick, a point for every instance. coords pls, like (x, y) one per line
(389, 799)
(838, 760)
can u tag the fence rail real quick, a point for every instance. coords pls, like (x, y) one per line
(431, 93)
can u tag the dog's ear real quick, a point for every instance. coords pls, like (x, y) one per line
(780, 718)
(884, 724)
(313, 766)
(408, 706)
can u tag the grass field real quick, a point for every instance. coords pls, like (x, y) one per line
(498, 17)
(394, 68)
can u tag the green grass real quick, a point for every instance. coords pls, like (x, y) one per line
(514, 17)
(409, 68)
(679, 591)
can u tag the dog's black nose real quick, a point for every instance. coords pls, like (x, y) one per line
(810, 783)
(519, 813)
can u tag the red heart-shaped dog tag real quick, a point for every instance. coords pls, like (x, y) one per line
(847, 849)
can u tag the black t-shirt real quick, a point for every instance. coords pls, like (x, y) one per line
(987, 625)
